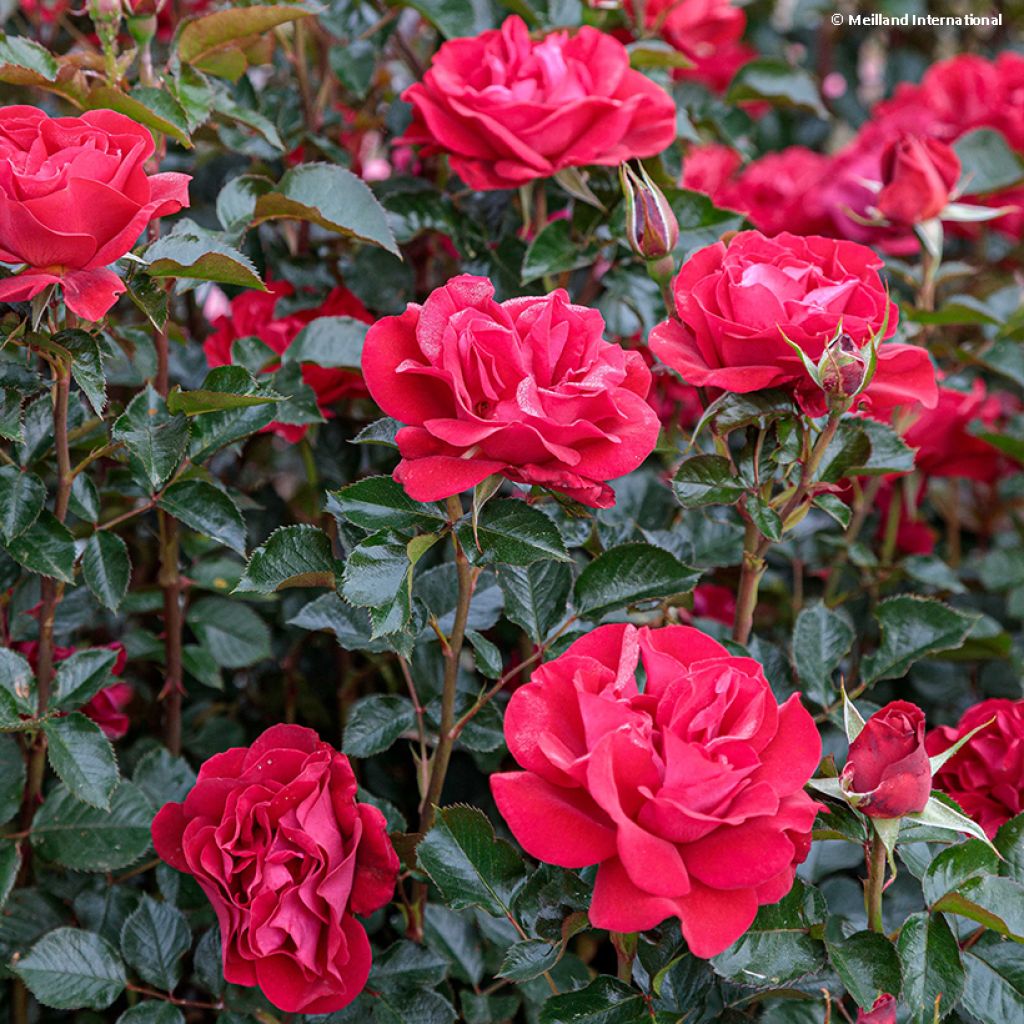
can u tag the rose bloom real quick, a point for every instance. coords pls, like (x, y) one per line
(918, 175)
(527, 388)
(253, 314)
(883, 1011)
(688, 794)
(709, 167)
(508, 109)
(887, 767)
(943, 439)
(74, 197)
(984, 776)
(705, 31)
(108, 707)
(735, 301)
(274, 836)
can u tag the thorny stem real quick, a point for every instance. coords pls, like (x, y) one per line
(755, 546)
(874, 886)
(51, 593)
(443, 751)
(173, 590)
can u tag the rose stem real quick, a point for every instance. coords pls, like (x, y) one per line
(862, 509)
(875, 884)
(755, 546)
(173, 589)
(50, 592)
(445, 740)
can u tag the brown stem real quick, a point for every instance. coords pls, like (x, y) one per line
(755, 547)
(445, 742)
(51, 592)
(874, 886)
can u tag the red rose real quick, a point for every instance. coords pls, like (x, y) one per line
(883, 1011)
(508, 109)
(918, 175)
(779, 192)
(74, 197)
(707, 168)
(735, 302)
(705, 31)
(984, 775)
(106, 708)
(688, 795)
(712, 601)
(275, 838)
(943, 439)
(527, 388)
(887, 767)
(252, 314)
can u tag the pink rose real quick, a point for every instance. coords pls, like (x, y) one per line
(274, 836)
(708, 167)
(688, 795)
(253, 314)
(984, 776)
(74, 197)
(887, 768)
(883, 1011)
(735, 301)
(527, 388)
(508, 109)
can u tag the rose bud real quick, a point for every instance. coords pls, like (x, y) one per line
(887, 773)
(651, 227)
(842, 369)
(918, 175)
(883, 1011)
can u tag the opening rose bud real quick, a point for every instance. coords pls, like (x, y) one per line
(887, 773)
(651, 227)
(918, 175)
(843, 367)
(883, 1011)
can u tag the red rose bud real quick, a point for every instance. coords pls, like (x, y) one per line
(842, 368)
(882, 1012)
(651, 227)
(918, 175)
(887, 773)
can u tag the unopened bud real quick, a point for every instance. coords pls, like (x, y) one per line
(841, 369)
(651, 227)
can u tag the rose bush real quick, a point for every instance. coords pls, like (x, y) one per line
(537, 540)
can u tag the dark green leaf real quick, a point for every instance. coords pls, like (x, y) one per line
(469, 866)
(107, 568)
(987, 162)
(86, 366)
(86, 838)
(457, 18)
(997, 903)
(163, 777)
(155, 439)
(630, 573)
(913, 628)
(528, 959)
(21, 500)
(867, 965)
(10, 863)
(779, 83)
(70, 969)
(81, 676)
(153, 1012)
(46, 548)
(536, 596)
(380, 503)
(20, 53)
(994, 989)
(17, 687)
(153, 941)
(604, 1001)
(292, 556)
(230, 630)
(707, 480)
(554, 250)
(203, 37)
(764, 517)
(375, 723)
(82, 756)
(332, 198)
(821, 639)
(12, 777)
(512, 532)
(335, 342)
(207, 510)
(197, 254)
(377, 576)
(930, 958)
